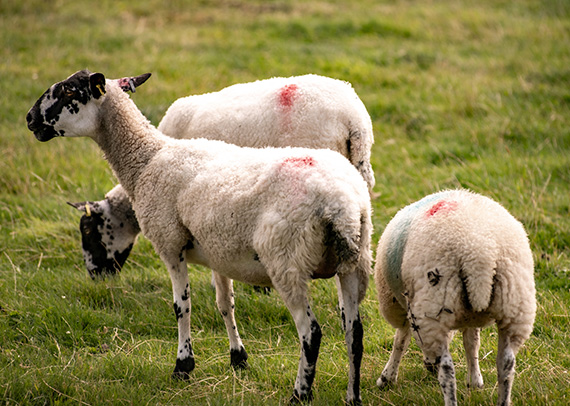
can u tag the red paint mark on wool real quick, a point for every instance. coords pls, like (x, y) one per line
(300, 162)
(287, 95)
(441, 206)
(295, 171)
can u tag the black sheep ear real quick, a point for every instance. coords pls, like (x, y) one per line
(97, 84)
(87, 207)
(139, 80)
(82, 206)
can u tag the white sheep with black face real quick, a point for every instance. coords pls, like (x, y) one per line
(455, 260)
(277, 216)
(109, 229)
(308, 111)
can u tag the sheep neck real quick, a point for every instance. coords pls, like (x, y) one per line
(128, 140)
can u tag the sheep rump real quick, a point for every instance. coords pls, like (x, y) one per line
(455, 260)
(230, 195)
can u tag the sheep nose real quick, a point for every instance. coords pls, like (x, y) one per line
(30, 121)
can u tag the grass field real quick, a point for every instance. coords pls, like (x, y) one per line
(461, 93)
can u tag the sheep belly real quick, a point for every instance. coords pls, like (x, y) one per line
(244, 268)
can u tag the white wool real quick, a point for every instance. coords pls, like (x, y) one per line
(303, 111)
(217, 181)
(468, 233)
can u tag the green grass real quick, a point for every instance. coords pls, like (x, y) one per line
(462, 94)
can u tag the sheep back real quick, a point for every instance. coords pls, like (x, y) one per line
(242, 203)
(304, 107)
(309, 111)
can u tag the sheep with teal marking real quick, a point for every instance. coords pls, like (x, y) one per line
(456, 260)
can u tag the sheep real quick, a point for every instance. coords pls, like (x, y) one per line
(273, 217)
(309, 111)
(302, 111)
(109, 229)
(455, 260)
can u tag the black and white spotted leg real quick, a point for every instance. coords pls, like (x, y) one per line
(505, 368)
(389, 375)
(446, 378)
(471, 342)
(181, 292)
(340, 301)
(310, 335)
(225, 302)
(354, 332)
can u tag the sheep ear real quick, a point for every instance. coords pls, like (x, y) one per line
(82, 206)
(97, 84)
(129, 84)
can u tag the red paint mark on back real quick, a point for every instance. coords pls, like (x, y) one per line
(300, 162)
(441, 206)
(295, 171)
(287, 95)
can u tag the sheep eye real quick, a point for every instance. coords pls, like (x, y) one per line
(69, 93)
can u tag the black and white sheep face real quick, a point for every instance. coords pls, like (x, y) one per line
(107, 239)
(73, 105)
(67, 104)
(70, 108)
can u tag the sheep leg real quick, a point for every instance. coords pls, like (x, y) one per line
(180, 289)
(505, 368)
(340, 301)
(349, 284)
(310, 335)
(225, 302)
(471, 342)
(446, 378)
(389, 375)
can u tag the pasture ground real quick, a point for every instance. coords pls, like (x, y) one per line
(461, 93)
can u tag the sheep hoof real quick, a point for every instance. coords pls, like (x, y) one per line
(180, 376)
(475, 386)
(432, 367)
(297, 398)
(383, 383)
(239, 359)
(183, 368)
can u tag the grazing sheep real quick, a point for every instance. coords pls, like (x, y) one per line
(276, 217)
(109, 229)
(455, 260)
(308, 111)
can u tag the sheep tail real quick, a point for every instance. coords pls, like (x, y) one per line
(358, 144)
(352, 248)
(478, 283)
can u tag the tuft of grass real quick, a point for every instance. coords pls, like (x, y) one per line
(461, 94)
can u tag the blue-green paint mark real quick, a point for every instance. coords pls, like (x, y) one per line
(399, 238)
